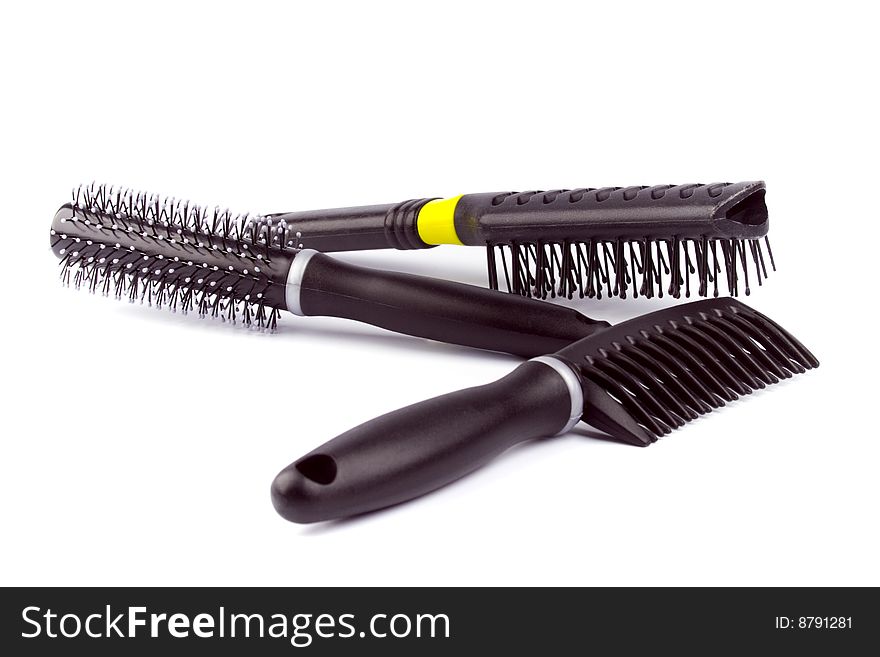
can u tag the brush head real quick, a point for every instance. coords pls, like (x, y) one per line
(649, 375)
(680, 240)
(173, 253)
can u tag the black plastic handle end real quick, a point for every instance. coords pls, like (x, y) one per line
(417, 449)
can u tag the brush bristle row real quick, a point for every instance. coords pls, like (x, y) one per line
(172, 253)
(161, 217)
(672, 372)
(622, 268)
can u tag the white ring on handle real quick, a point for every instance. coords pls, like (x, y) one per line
(294, 280)
(572, 382)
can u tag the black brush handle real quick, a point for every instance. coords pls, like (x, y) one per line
(441, 310)
(696, 210)
(387, 226)
(414, 450)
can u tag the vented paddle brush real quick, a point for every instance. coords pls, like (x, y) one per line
(635, 381)
(614, 241)
(247, 268)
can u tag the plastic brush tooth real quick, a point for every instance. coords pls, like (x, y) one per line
(784, 365)
(633, 404)
(681, 383)
(667, 368)
(785, 340)
(666, 389)
(640, 386)
(723, 329)
(699, 381)
(708, 373)
(729, 356)
(710, 362)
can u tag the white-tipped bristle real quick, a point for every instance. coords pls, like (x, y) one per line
(128, 244)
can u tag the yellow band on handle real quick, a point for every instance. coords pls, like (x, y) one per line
(436, 221)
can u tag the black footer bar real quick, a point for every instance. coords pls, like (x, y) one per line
(436, 620)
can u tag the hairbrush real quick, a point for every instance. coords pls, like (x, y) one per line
(247, 268)
(636, 381)
(616, 241)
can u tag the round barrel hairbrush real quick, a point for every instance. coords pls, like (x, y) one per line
(636, 381)
(247, 268)
(613, 241)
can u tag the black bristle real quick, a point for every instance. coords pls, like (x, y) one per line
(173, 254)
(493, 269)
(769, 253)
(616, 267)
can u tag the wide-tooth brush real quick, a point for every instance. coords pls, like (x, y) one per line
(246, 268)
(613, 241)
(635, 381)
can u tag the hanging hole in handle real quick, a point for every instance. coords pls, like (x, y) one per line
(751, 211)
(319, 468)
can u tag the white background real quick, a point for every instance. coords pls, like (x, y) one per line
(138, 446)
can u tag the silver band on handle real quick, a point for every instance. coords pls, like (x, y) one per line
(294, 280)
(575, 391)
